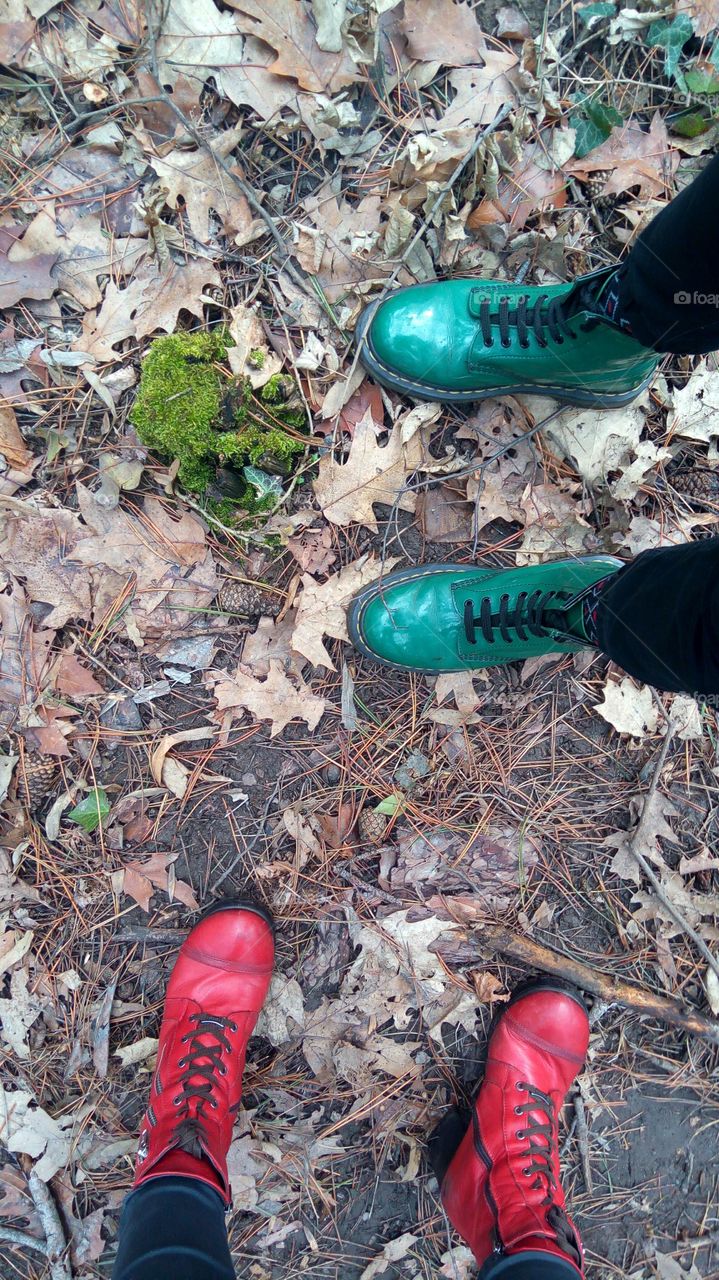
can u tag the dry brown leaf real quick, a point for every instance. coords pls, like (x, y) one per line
(444, 31)
(171, 773)
(37, 545)
(84, 251)
(444, 515)
(480, 91)
(635, 158)
(276, 699)
(151, 301)
(286, 27)
(654, 827)
(322, 609)
(529, 189)
(338, 243)
(12, 446)
(24, 653)
(140, 879)
(313, 549)
(71, 678)
(196, 178)
(168, 560)
(629, 707)
(372, 473)
(554, 525)
(30, 278)
(198, 41)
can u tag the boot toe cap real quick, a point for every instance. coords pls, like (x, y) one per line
(411, 334)
(233, 937)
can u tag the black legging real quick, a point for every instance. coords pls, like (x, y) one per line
(672, 267)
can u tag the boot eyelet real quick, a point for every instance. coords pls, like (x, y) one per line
(520, 1086)
(526, 1173)
(233, 1028)
(223, 1071)
(489, 344)
(213, 1104)
(519, 1134)
(182, 1062)
(176, 1101)
(506, 344)
(517, 1111)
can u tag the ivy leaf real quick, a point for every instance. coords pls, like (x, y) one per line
(672, 36)
(592, 14)
(702, 78)
(91, 811)
(594, 126)
(691, 124)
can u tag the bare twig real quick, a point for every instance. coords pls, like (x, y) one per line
(10, 1235)
(51, 1224)
(582, 1133)
(614, 990)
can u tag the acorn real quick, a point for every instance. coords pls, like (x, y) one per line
(372, 826)
(247, 599)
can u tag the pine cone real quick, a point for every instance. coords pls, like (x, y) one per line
(700, 485)
(36, 778)
(595, 185)
(247, 599)
(372, 826)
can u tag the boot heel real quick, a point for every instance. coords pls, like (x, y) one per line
(444, 1140)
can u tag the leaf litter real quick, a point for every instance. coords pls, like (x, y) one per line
(272, 193)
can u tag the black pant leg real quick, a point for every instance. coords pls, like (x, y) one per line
(672, 267)
(173, 1229)
(658, 618)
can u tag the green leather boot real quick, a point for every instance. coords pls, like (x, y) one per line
(457, 617)
(463, 340)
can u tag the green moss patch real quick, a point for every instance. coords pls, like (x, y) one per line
(188, 408)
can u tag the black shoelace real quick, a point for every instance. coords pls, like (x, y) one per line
(203, 1061)
(545, 315)
(540, 1136)
(514, 618)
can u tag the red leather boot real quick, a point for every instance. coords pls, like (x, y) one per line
(213, 1000)
(499, 1177)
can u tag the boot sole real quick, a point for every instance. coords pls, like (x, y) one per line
(423, 391)
(447, 1135)
(356, 607)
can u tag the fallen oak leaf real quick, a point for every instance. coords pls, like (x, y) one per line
(629, 707)
(140, 879)
(634, 158)
(12, 446)
(322, 608)
(29, 278)
(275, 699)
(443, 31)
(348, 491)
(197, 179)
(286, 27)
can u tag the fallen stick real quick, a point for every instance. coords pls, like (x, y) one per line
(614, 990)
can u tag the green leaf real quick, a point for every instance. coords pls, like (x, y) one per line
(602, 9)
(690, 125)
(390, 804)
(91, 811)
(594, 125)
(603, 115)
(671, 36)
(702, 78)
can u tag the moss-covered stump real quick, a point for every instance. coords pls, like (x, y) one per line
(189, 408)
